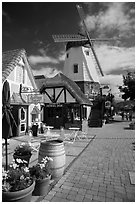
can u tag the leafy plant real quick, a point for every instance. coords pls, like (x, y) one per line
(16, 178)
(23, 149)
(128, 87)
(41, 170)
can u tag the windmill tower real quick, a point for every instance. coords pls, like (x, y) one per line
(81, 63)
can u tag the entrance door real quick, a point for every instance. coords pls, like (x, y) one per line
(54, 116)
(23, 120)
(58, 117)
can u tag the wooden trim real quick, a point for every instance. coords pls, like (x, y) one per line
(59, 95)
(65, 96)
(52, 99)
(81, 107)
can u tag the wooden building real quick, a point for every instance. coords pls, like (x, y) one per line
(17, 71)
(64, 103)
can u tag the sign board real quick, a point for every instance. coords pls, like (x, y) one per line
(35, 98)
(54, 105)
(27, 89)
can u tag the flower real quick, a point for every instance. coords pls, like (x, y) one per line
(41, 170)
(16, 178)
(23, 149)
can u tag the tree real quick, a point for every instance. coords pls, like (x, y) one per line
(128, 87)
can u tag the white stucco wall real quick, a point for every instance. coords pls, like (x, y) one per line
(14, 81)
(87, 69)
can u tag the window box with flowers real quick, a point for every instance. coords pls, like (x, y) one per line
(17, 183)
(23, 151)
(41, 172)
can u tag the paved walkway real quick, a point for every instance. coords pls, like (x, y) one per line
(97, 170)
(101, 172)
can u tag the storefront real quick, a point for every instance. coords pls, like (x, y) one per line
(17, 71)
(64, 103)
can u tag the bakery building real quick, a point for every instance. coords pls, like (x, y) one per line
(17, 71)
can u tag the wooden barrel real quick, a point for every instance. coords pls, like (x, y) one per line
(55, 150)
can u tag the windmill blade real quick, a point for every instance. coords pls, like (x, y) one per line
(81, 14)
(74, 37)
(67, 38)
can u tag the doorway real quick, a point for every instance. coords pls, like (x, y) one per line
(53, 116)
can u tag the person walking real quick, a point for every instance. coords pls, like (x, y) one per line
(130, 115)
(122, 115)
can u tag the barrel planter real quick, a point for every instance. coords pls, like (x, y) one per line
(22, 157)
(55, 150)
(42, 186)
(19, 196)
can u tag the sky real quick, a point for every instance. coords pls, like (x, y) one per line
(30, 25)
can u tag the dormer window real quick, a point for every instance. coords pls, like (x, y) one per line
(75, 66)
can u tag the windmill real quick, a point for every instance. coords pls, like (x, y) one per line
(77, 44)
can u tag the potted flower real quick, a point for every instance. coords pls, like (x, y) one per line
(17, 183)
(23, 152)
(41, 172)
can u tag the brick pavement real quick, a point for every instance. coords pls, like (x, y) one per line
(101, 172)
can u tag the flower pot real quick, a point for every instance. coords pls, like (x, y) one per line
(19, 196)
(24, 157)
(42, 186)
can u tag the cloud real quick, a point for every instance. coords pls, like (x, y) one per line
(37, 59)
(114, 81)
(43, 58)
(111, 18)
(46, 71)
(62, 55)
(116, 59)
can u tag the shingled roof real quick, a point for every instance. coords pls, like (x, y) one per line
(10, 60)
(61, 80)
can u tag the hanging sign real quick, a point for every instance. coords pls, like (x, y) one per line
(35, 98)
(27, 89)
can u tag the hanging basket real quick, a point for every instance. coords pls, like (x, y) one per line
(23, 157)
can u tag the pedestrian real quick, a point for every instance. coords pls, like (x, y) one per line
(41, 129)
(127, 115)
(130, 115)
(122, 114)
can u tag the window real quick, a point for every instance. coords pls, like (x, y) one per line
(23, 127)
(75, 68)
(67, 55)
(87, 52)
(23, 114)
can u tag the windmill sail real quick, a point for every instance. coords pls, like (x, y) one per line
(75, 38)
(81, 14)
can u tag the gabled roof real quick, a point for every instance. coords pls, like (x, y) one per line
(61, 80)
(17, 99)
(35, 111)
(10, 60)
